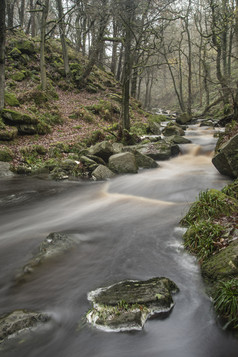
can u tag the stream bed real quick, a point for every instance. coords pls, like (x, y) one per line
(127, 228)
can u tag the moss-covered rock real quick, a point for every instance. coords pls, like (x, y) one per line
(11, 100)
(15, 118)
(25, 46)
(123, 163)
(102, 173)
(172, 129)
(6, 154)
(8, 133)
(226, 160)
(183, 118)
(128, 304)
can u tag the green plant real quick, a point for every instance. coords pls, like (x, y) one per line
(210, 204)
(231, 190)
(226, 301)
(201, 238)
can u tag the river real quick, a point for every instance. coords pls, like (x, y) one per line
(128, 228)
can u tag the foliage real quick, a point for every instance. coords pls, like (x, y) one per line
(139, 128)
(201, 238)
(231, 190)
(226, 301)
(210, 204)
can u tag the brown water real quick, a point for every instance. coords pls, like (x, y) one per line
(128, 229)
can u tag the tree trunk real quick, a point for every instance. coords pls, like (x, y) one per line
(129, 12)
(45, 9)
(2, 51)
(22, 13)
(62, 38)
(10, 12)
(114, 48)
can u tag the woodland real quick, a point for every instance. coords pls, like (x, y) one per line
(82, 76)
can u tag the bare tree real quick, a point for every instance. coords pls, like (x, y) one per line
(2, 51)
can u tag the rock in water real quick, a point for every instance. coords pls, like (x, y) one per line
(127, 305)
(19, 321)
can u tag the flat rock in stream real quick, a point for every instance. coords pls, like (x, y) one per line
(127, 305)
(52, 246)
(20, 321)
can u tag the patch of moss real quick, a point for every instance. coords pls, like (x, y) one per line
(6, 154)
(105, 109)
(84, 114)
(11, 100)
(18, 76)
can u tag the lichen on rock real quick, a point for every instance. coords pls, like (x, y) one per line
(128, 304)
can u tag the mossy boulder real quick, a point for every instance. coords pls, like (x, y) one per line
(226, 159)
(223, 264)
(20, 321)
(123, 163)
(15, 118)
(128, 304)
(159, 150)
(173, 129)
(102, 173)
(155, 128)
(103, 149)
(6, 154)
(5, 169)
(183, 118)
(11, 100)
(8, 133)
(25, 46)
(176, 139)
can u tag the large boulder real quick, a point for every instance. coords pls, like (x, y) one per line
(123, 163)
(183, 118)
(159, 150)
(102, 173)
(8, 133)
(12, 117)
(155, 128)
(128, 304)
(103, 149)
(226, 160)
(171, 129)
(20, 321)
(176, 139)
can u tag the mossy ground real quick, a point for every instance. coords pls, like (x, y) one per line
(64, 112)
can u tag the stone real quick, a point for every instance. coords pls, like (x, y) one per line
(8, 133)
(5, 169)
(90, 164)
(176, 139)
(20, 321)
(12, 117)
(25, 46)
(183, 118)
(103, 149)
(52, 246)
(145, 161)
(226, 160)
(155, 128)
(223, 264)
(123, 163)
(170, 130)
(128, 304)
(159, 150)
(18, 76)
(27, 129)
(102, 173)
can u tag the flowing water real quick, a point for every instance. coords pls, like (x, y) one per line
(127, 228)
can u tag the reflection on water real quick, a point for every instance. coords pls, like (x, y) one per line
(127, 228)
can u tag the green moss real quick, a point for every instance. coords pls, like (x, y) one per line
(16, 118)
(8, 133)
(6, 154)
(11, 100)
(106, 109)
(25, 46)
(18, 76)
(139, 128)
(83, 114)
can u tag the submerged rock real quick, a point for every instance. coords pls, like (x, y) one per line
(127, 305)
(18, 321)
(53, 245)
